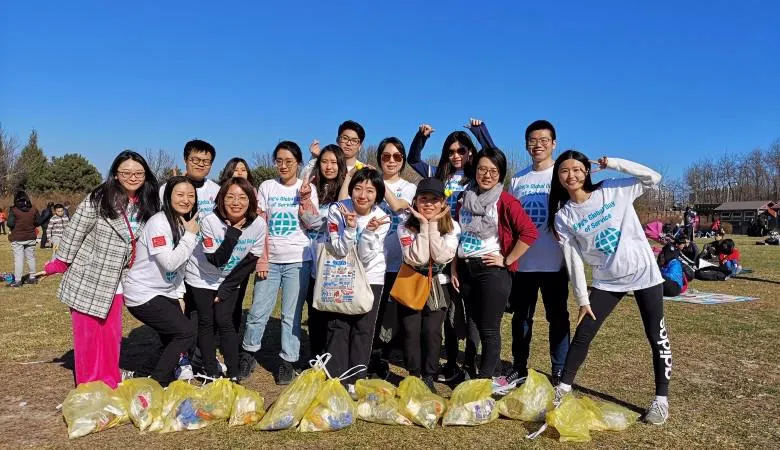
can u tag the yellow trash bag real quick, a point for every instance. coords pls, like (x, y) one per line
(419, 403)
(531, 401)
(293, 402)
(217, 399)
(606, 416)
(331, 410)
(144, 398)
(248, 407)
(377, 403)
(471, 404)
(572, 419)
(182, 408)
(93, 407)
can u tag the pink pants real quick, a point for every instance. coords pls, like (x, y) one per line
(96, 344)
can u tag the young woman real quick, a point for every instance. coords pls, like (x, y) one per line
(236, 167)
(331, 169)
(671, 271)
(358, 221)
(288, 264)
(429, 234)
(233, 237)
(495, 233)
(97, 249)
(597, 224)
(155, 283)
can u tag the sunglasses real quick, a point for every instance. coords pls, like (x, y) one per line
(397, 157)
(462, 151)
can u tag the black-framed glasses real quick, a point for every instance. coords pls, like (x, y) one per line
(126, 174)
(344, 139)
(199, 162)
(482, 170)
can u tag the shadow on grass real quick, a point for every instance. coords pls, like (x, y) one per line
(740, 277)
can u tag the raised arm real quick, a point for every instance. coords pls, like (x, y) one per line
(480, 131)
(646, 176)
(414, 159)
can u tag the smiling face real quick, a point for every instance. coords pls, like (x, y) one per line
(487, 174)
(183, 198)
(429, 205)
(458, 155)
(572, 174)
(363, 197)
(198, 164)
(286, 165)
(236, 203)
(540, 145)
(391, 160)
(240, 171)
(329, 166)
(131, 176)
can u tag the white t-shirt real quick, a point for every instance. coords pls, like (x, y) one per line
(604, 232)
(405, 190)
(200, 272)
(207, 195)
(454, 188)
(136, 228)
(310, 167)
(159, 267)
(471, 246)
(369, 243)
(451, 240)
(288, 241)
(533, 190)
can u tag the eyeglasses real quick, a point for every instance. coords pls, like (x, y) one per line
(233, 198)
(286, 162)
(397, 157)
(199, 162)
(462, 151)
(344, 139)
(482, 170)
(126, 175)
(534, 141)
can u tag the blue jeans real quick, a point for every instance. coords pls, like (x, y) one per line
(293, 279)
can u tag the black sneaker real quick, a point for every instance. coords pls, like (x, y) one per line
(555, 379)
(15, 284)
(448, 373)
(471, 372)
(516, 377)
(285, 373)
(429, 382)
(246, 364)
(31, 280)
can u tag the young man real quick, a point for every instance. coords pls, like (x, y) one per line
(350, 138)
(198, 158)
(56, 227)
(542, 267)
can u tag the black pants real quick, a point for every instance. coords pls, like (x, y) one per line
(671, 289)
(2, 227)
(386, 321)
(421, 332)
(350, 338)
(238, 311)
(217, 316)
(177, 332)
(44, 238)
(451, 335)
(651, 308)
(555, 293)
(317, 324)
(486, 292)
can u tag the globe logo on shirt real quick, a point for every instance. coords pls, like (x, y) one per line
(470, 242)
(232, 263)
(606, 241)
(536, 208)
(170, 276)
(282, 223)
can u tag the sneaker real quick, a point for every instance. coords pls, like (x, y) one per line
(285, 373)
(501, 386)
(555, 379)
(516, 377)
(31, 280)
(448, 373)
(380, 368)
(429, 382)
(352, 392)
(246, 364)
(559, 393)
(657, 413)
(127, 374)
(15, 284)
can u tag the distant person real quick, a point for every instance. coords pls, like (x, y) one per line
(46, 215)
(687, 247)
(729, 258)
(56, 227)
(23, 218)
(236, 167)
(3, 218)
(671, 271)
(716, 226)
(689, 222)
(66, 205)
(711, 250)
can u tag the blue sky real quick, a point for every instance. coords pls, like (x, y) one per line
(662, 82)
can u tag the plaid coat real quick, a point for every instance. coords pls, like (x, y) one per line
(98, 251)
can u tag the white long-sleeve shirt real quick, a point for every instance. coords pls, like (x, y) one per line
(369, 243)
(419, 248)
(604, 231)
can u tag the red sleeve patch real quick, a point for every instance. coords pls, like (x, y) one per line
(208, 242)
(158, 241)
(406, 241)
(333, 227)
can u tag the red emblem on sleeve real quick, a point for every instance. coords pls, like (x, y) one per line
(208, 242)
(406, 241)
(333, 227)
(158, 241)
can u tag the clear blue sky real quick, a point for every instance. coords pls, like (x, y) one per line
(662, 82)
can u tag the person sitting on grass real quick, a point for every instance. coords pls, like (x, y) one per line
(729, 258)
(672, 272)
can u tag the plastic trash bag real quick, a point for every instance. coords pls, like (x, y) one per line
(529, 402)
(293, 402)
(377, 403)
(572, 419)
(217, 398)
(419, 404)
(248, 407)
(606, 416)
(144, 397)
(184, 408)
(471, 404)
(331, 410)
(93, 407)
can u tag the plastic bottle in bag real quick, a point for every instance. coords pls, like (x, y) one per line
(144, 397)
(331, 410)
(529, 402)
(248, 407)
(419, 404)
(471, 404)
(293, 402)
(93, 407)
(377, 403)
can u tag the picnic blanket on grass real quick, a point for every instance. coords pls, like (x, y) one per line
(707, 298)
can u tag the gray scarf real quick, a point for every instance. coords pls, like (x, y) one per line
(477, 205)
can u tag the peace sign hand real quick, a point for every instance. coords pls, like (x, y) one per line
(350, 218)
(305, 191)
(377, 222)
(601, 163)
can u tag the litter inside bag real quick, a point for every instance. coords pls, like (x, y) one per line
(471, 404)
(419, 403)
(183, 408)
(571, 419)
(217, 398)
(248, 407)
(93, 407)
(377, 403)
(144, 398)
(529, 402)
(294, 400)
(331, 410)
(606, 416)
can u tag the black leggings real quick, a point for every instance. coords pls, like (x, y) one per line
(671, 288)
(316, 321)
(651, 308)
(220, 316)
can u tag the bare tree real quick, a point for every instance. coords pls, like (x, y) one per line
(8, 156)
(161, 164)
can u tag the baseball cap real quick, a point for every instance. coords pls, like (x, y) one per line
(430, 186)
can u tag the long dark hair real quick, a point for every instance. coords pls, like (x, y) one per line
(249, 190)
(558, 194)
(230, 167)
(398, 145)
(328, 190)
(110, 198)
(170, 213)
(445, 170)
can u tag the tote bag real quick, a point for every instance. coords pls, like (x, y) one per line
(341, 285)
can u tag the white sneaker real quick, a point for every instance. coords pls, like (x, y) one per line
(185, 373)
(657, 413)
(559, 393)
(352, 392)
(127, 374)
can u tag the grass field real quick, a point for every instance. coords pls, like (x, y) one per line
(725, 390)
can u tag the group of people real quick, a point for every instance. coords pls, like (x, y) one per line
(180, 256)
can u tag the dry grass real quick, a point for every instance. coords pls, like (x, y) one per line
(725, 392)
